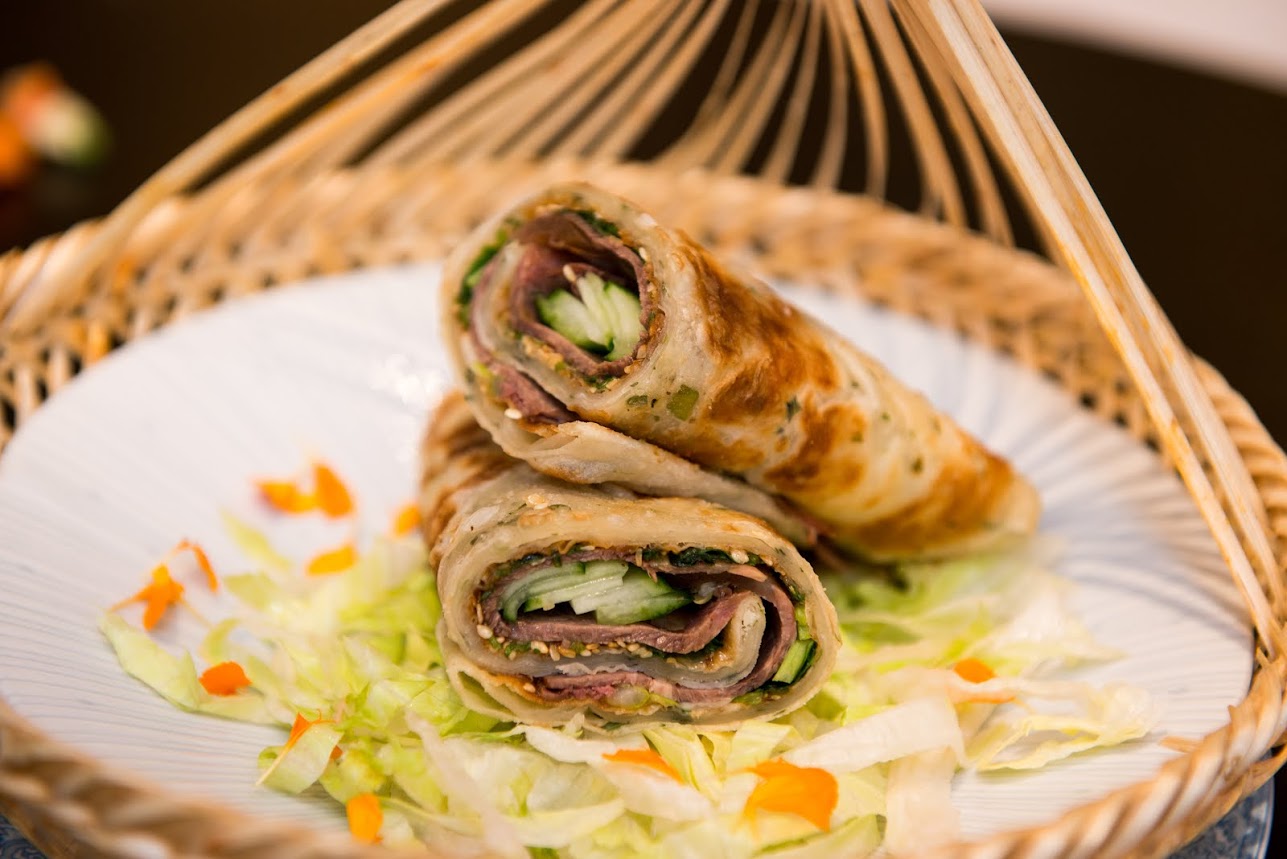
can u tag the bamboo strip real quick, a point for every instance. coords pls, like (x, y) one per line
(1081, 238)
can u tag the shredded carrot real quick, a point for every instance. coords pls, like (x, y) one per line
(285, 497)
(333, 561)
(644, 758)
(973, 670)
(365, 817)
(806, 792)
(297, 730)
(203, 561)
(301, 725)
(976, 671)
(406, 520)
(226, 678)
(336, 752)
(159, 594)
(333, 497)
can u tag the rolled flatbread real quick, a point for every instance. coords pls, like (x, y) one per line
(600, 347)
(561, 600)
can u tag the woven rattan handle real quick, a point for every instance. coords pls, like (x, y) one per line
(1079, 235)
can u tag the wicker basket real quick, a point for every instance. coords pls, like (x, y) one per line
(426, 140)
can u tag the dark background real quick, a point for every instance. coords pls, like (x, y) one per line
(1191, 168)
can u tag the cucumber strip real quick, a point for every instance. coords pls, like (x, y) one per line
(623, 323)
(605, 318)
(515, 593)
(570, 594)
(636, 585)
(616, 309)
(793, 663)
(592, 289)
(551, 585)
(638, 597)
(573, 319)
(802, 624)
(618, 614)
(599, 577)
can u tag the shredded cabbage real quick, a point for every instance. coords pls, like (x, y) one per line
(355, 655)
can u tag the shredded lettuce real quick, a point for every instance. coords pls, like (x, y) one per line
(355, 654)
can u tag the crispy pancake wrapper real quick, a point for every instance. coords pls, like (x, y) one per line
(752, 636)
(730, 393)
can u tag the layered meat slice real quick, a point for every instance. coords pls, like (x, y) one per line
(577, 291)
(623, 626)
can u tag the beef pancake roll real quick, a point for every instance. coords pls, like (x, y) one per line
(560, 599)
(598, 346)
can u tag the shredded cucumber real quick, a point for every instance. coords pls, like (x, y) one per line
(797, 657)
(565, 314)
(605, 319)
(639, 597)
(536, 583)
(599, 577)
(615, 591)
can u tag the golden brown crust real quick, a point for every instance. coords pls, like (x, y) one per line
(826, 460)
(483, 511)
(968, 494)
(744, 385)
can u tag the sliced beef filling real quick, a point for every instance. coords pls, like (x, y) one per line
(513, 387)
(684, 631)
(560, 239)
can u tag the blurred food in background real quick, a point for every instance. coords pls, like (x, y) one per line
(41, 118)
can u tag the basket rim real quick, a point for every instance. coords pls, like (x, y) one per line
(28, 757)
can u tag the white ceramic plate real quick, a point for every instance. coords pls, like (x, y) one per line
(152, 443)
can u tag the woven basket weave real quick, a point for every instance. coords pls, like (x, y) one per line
(376, 179)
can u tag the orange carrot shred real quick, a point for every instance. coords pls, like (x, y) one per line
(806, 792)
(973, 670)
(644, 758)
(159, 594)
(333, 497)
(333, 561)
(336, 753)
(203, 561)
(225, 678)
(365, 817)
(976, 671)
(301, 725)
(297, 730)
(406, 520)
(285, 497)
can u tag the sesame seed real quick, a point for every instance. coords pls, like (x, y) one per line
(528, 687)
(513, 414)
(554, 654)
(539, 647)
(484, 632)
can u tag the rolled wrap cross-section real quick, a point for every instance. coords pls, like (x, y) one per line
(561, 600)
(600, 347)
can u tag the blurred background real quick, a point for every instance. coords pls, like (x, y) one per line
(1175, 109)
